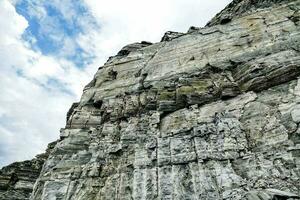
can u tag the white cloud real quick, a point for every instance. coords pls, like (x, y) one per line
(9, 34)
(31, 109)
(30, 117)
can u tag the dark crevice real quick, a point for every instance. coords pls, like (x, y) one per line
(98, 104)
(71, 110)
(113, 74)
(225, 21)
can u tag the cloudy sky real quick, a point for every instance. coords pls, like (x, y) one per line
(50, 49)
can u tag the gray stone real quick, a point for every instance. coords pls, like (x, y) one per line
(208, 114)
(17, 179)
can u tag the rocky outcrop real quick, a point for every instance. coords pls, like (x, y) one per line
(210, 114)
(213, 113)
(170, 35)
(128, 49)
(17, 179)
(238, 8)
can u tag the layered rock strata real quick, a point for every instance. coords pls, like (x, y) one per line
(210, 114)
(17, 179)
(238, 8)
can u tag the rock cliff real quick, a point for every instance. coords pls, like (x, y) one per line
(17, 179)
(209, 114)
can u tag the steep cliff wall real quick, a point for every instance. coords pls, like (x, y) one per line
(212, 114)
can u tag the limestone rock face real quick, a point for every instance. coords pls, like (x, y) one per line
(238, 8)
(17, 179)
(210, 114)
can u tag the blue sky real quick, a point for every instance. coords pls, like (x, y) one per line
(51, 28)
(50, 49)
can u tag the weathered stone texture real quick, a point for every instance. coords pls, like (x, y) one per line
(17, 179)
(210, 114)
(238, 8)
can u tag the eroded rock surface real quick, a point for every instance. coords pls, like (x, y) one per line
(17, 179)
(210, 114)
(238, 8)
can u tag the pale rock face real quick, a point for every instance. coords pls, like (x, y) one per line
(210, 114)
